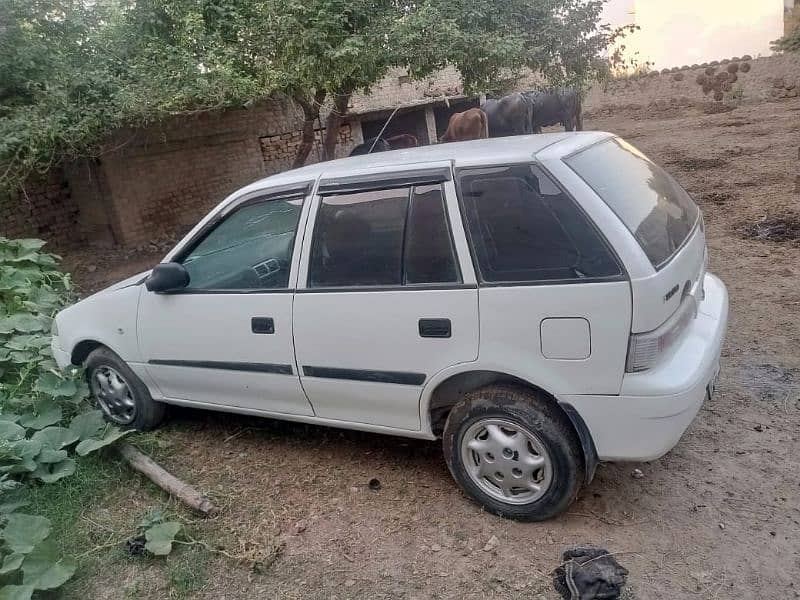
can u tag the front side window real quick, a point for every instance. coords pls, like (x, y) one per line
(382, 238)
(523, 228)
(651, 204)
(250, 249)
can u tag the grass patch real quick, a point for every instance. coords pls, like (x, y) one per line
(65, 501)
(187, 571)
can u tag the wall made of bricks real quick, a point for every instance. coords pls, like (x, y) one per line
(163, 179)
(44, 208)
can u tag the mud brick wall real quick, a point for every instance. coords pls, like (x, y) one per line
(280, 150)
(44, 209)
(163, 179)
(771, 77)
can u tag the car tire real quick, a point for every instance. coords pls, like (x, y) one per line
(514, 452)
(119, 393)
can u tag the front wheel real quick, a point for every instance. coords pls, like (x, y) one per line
(514, 452)
(119, 393)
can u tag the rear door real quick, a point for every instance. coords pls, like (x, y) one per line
(555, 301)
(384, 301)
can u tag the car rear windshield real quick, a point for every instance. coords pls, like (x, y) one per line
(656, 209)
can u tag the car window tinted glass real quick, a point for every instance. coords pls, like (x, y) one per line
(358, 239)
(250, 249)
(524, 228)
(383, 238)
(429, 247)
(651, 204)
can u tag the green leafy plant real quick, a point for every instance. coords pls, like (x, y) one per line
(157, 533)
(44, 422)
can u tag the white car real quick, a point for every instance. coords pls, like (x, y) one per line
(541, 303)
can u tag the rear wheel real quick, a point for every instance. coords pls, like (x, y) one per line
(119, 393)
(514, 452)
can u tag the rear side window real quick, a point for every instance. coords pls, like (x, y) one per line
(651, 204)
(382, 238)
(524, 228)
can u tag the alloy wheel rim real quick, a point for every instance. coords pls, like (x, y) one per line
(113, 395)
(506, 461)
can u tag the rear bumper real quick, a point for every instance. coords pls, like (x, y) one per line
(655, 408)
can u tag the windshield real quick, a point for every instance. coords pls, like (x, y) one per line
(656, 209)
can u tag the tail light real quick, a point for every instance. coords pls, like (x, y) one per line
(644, 349)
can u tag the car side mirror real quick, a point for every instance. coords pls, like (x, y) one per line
(167, 277)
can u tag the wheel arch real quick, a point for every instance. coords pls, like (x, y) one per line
(82, 349)
(444, 392)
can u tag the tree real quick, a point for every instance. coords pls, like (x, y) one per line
(73, 71)
(492, 43)
(788, 43)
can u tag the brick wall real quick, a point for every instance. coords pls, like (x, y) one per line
(161, 180)
(279, 151)
(46, 209)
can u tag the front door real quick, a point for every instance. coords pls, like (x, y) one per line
(383, 302)
(226, 339)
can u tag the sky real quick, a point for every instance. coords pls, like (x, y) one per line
(683, 32)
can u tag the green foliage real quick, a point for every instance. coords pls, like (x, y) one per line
(35, 400)
(73, 72)
(160, 537)
(788, 43)
(490, 43)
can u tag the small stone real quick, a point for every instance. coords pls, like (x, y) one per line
(637, 474)
(436, 548)
(722, 525)
(300, 526)
(350, 583)
(758, 428)
(491, 544)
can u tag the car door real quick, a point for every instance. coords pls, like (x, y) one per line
(555, 300)
(384, 299)
(226, 339)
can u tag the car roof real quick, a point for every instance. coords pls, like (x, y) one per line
(472, 153)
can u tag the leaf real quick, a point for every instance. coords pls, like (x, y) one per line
(11, 431)
(87, 425)
(51, 384)
(11, 563)
(49, 416)
(160, 537)
(22, 532)
(55, 437)
(87, 446)
(16, 592)
(11, 502)
(24, 322)
(49, 456)
(44, 569)
(49, 473)
(29, 243)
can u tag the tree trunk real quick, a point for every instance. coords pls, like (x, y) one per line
(333, 123)
(310, 115)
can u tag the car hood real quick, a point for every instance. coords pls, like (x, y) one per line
(132, 280)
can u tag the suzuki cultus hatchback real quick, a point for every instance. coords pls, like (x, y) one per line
(540, 303)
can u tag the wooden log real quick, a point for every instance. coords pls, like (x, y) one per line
(166, 481)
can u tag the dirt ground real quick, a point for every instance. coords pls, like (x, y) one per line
(718, 517)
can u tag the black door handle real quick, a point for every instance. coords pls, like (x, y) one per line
(262, 325)
(435, 328)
